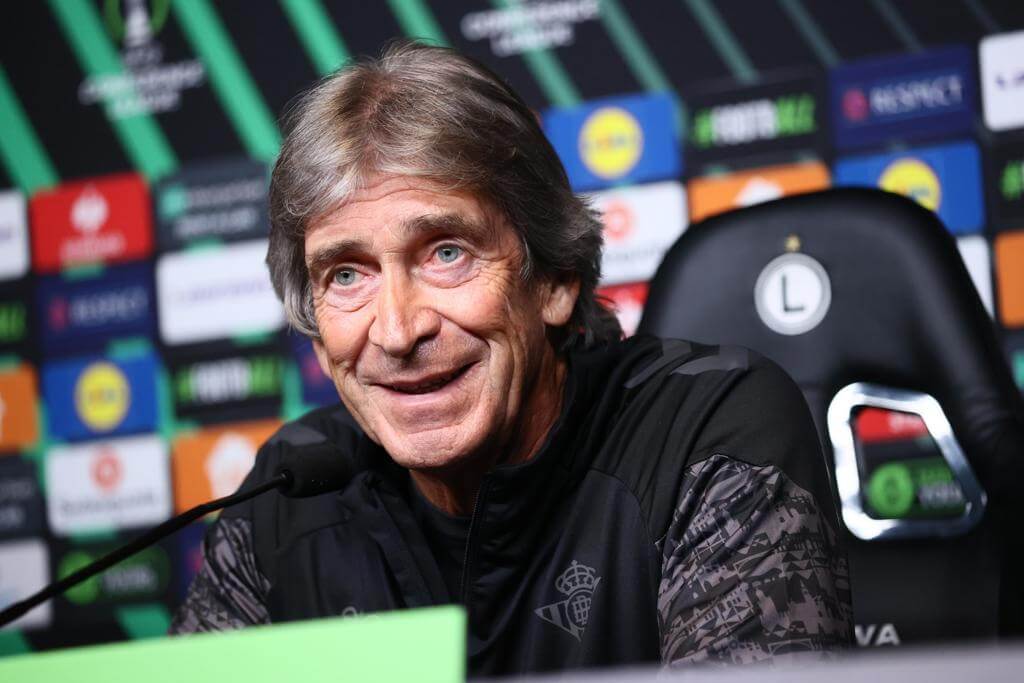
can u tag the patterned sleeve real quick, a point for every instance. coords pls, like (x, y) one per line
(750, 570)
(229, 591)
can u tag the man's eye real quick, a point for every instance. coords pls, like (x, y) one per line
(345, 277)
(448, 253)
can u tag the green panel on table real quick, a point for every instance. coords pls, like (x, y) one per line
(431, 642)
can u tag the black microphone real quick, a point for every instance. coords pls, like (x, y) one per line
(313, 470)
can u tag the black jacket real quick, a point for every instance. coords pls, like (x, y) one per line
(679, 511)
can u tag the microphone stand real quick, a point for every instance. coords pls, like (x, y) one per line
(283, 479)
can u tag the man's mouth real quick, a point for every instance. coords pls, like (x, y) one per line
(427, 384)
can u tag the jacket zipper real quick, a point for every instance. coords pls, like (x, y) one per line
(474, 524)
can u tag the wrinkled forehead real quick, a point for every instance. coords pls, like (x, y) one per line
(393, 211)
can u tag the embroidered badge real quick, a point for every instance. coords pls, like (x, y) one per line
(578, 584)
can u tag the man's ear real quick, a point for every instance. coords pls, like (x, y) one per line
(321, 357)
(559, 301)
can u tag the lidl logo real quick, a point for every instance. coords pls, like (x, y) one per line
(614, 141)
(83, 314)
(915, 179)
(212, 463)
(19, 423)
(104, 485)
(908, 97)
(611, 142)
(103, 220)
(640, 224)
(710, 195)
(89, 397)
(102, 396)
(943, 178)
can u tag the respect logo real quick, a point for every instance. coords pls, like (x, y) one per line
(611, 142)
(102, 396)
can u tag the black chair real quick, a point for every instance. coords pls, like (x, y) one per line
(862, 297)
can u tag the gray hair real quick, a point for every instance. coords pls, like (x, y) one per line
(432, 113)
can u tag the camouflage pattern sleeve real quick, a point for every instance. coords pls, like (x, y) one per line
(228, 593)
(750, 570)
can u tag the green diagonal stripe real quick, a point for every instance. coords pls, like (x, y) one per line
(634, 50)
(417, 21)
(316, 31)
(547, 70)
(627, 39)
(23, 155)
(811, 32)
(139, 134)
(725, 43)
(231, 80)
(898, 26)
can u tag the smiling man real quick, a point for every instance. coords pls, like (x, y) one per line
(590, 501)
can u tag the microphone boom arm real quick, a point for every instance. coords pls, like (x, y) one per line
(283, 479)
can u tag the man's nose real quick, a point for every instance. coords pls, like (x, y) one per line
(404, 316)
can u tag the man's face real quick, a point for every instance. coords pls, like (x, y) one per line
(436, 344)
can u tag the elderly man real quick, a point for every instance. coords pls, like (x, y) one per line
(590, 501)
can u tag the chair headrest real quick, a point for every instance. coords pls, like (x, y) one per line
(903, 311)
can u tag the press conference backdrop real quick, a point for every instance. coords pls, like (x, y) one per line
(144, 357)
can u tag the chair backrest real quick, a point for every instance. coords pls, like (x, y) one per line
(852, 286)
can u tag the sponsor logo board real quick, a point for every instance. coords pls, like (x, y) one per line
(247, 378)
(943, 178)
(908, 97)
(975, 253)
(212, 463)
(1006, 161)
(1001, 59)
(145, 576)
(24, 570)
(83, 314)
(16, 318)
(102, 220)
(1013, 342)
(21, 500)
(758, 120)
(224, 201)
(19, 420)
(715, 194)
(110, 484)
(616, 141)
(13, 235)
(627, 301)
(100, 396)
(1009, 256)
(523, 28)
(216, 293)
(640, 224)
(147, 84)
(317, 388)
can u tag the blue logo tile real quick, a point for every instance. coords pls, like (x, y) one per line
(943, 178)
(903, 98)
(616, 141)
(97, 396)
